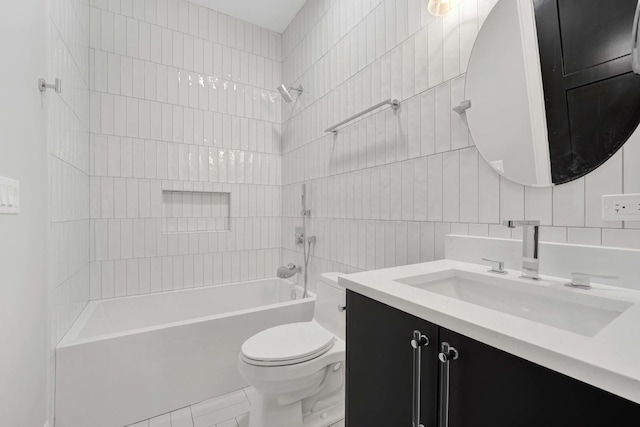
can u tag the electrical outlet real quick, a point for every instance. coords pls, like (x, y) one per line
(621, 207)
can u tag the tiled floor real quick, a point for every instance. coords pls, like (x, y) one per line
(229, 410)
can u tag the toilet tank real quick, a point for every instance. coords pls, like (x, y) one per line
(329, 296)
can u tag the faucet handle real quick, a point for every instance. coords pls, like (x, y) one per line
(583, 280)
(496, 266)
(513, 224)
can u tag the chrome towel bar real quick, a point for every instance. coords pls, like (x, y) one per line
(395, 104)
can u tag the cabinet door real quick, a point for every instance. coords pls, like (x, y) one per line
(592, 96)
(489, 387)
(379, 385)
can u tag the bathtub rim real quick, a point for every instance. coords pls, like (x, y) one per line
(71, 339)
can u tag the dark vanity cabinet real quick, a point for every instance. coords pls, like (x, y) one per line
(380, 370)
(464, 383)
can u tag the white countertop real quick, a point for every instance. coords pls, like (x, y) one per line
(609, 360)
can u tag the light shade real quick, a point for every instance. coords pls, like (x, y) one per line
(441, 7)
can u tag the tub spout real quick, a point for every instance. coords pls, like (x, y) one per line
(287, 271)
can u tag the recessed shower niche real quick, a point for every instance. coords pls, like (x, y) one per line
(189, 211)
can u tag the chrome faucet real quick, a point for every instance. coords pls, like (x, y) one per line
(288, 271)
(530, 240)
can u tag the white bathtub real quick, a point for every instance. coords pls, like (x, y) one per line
(131, 358)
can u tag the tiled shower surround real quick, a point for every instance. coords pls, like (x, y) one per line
(182, 100)
(68, 144)
(390, 186)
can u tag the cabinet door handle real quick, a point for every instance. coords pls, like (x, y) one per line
(417, 343)
(446, 355)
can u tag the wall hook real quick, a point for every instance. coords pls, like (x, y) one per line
(43, 85)
(464, 106)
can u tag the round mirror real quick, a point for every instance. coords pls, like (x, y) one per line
(550, 92)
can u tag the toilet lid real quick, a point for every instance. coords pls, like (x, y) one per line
(287, 344)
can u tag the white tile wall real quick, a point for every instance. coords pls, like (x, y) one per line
(68, 135)
(68, 143)
(366, 211)
(182, 98)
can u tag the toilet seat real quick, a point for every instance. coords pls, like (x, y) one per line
(288, 344)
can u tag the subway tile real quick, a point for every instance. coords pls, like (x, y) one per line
(434, 188)
(569, 204)
(443, 118)
(584, 236)
(408, 68)
(132, 38)
(451, 186)
(428, 122)
(621, 238)
(551, 234)
(420, 198)
(451, 44)
(606, 179)
(107, 28)
(469, 186)
(435, 52)
(407, 194)
(468, 31)
(511, 200)
(488, 193)
(144, 40)
(538, 204)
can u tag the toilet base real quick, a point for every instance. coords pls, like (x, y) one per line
(319, 404)
(325, 418)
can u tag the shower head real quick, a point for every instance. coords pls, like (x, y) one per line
(286, 92)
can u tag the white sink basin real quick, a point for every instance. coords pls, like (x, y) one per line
(561, 308)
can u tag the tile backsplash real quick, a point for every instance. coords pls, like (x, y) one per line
(390, 186)
(182, 98)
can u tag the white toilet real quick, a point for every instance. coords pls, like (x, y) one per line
(297, 369)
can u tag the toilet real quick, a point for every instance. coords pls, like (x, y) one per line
(297, 369)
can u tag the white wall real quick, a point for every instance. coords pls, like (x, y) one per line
(182, 98)
(391, 186)
(23, 237)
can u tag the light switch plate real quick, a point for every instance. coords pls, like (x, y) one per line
(9, 196)
(621, 207)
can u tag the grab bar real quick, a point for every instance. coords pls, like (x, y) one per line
(446, 355)
(395, 104)
(417, 343)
